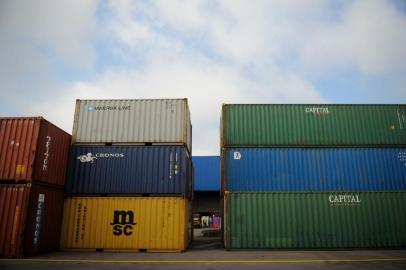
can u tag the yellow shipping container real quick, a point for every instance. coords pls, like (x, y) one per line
(126, 223)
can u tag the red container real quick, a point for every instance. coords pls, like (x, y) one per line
(30, 219)
(33, 149)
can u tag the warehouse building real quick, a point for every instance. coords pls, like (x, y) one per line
(206, 203)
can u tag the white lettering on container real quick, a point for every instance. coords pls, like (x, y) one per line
(89, 157)
(38, 219)
(401, 118)
(402, 158)
(344, 199)
(46, 154)
(317, 110)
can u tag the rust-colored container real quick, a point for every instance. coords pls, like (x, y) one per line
(30, 219)
(33, 149)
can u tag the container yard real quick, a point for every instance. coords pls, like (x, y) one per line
(130, 170)
(203, 135)
(142, 121)
(32, 150)
(294, 179)
(126, 223)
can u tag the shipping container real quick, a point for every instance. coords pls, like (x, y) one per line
(129, 170)
(315, 220)
(207, 173)
(33, 149)
(314, 169)
(254, 125)
(30, 219)
(126, 223)
(132, 121)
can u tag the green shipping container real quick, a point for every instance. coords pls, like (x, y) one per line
(315, 220)
(312, 125)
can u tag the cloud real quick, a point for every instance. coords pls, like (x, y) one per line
(63, 30)
(212, 52)
(37, 40)
(311, 36)
(371, 35)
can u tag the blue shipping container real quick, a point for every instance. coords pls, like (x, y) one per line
(129, 170)
(314, 169)
(207, 173)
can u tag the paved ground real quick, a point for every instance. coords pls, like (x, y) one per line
(208, 254)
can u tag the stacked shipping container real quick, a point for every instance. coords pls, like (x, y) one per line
(158, 170)
(130, 176)
(33, 160)
(314, 176)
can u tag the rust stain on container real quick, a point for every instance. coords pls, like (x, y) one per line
(33, 149)
(15, 227)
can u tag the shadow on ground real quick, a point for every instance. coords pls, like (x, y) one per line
(206, 239)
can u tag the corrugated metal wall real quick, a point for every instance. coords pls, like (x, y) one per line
(132, 121)
(44, 220)
(315, 220)
(129, 170)
(30, 219)
(312, 125)
(315, 169)
(18, 141)
(33, 149)
(13, 205)
(126, 223)
(51, 159)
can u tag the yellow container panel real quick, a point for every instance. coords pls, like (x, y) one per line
(126, 223)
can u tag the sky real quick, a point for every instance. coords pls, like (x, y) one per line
(211, 52)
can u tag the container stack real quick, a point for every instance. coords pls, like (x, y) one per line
(313, 176)
(129, 179)
(33, 160)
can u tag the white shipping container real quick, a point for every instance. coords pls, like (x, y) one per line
(132, 121)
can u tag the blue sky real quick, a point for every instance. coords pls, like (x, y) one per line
(212, 52)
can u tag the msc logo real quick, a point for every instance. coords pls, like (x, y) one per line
(87, 158)
(123, 222)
